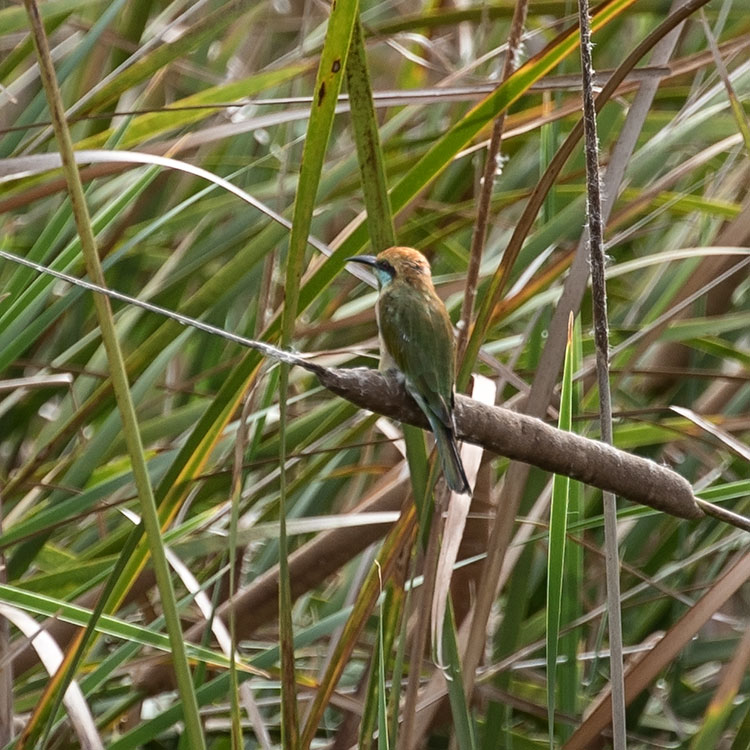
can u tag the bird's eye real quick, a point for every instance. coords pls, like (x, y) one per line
(384, 265)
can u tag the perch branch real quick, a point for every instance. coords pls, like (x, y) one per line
(526, 439)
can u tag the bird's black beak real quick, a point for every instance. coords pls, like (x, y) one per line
(365, 260)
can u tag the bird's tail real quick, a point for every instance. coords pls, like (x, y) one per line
(453, 468)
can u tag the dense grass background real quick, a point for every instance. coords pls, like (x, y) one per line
(244, 91)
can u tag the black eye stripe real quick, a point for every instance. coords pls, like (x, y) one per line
(384, 265)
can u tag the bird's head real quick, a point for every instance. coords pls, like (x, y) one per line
(398, 264)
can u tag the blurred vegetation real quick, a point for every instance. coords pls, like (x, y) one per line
(229, 87)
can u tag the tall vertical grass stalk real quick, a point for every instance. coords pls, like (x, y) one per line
(237, 741)
(463, 723)
(601, 338)
(380, 669)
(328, 82)
(289, 714)
(570, 671)
(120, 385)
(6, 668)
(558, 530)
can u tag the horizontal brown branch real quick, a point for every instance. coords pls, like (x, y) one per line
(526, 439)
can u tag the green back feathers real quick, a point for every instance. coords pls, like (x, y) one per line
(417, 332)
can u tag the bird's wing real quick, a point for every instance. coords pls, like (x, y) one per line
(418, 334)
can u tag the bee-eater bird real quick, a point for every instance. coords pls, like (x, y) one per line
(416, 339)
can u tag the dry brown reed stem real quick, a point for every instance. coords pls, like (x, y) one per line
(601, 338)
(479, 235)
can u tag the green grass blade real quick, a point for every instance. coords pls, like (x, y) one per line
(115, 627)
(369, 153)
(569, 672)
(463, 724)
(557, 542)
